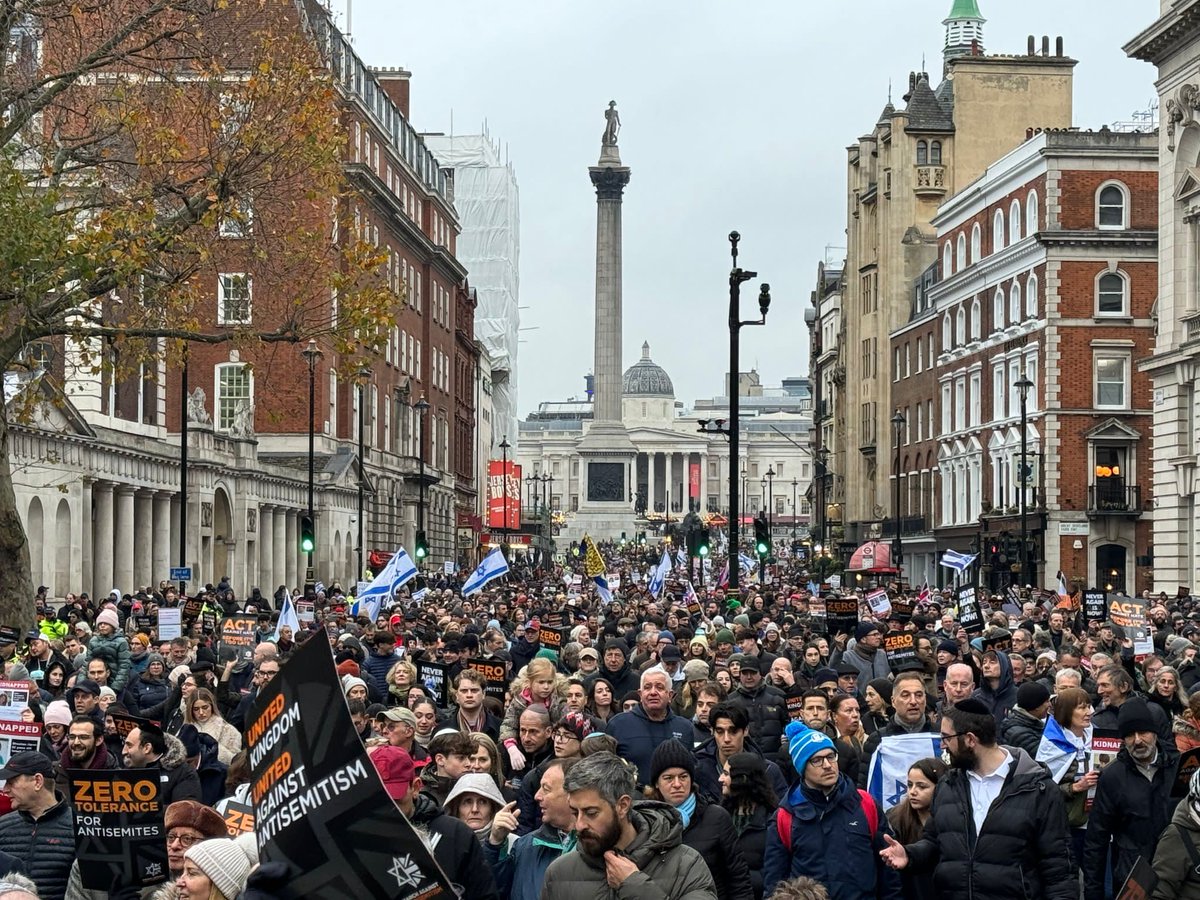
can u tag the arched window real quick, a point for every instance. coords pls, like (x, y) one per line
(976, 319)
(1112, 294)
(947, 261)
(998, 310)
(946, 345)
(961, 257)
(998, 231)
(1014, 222)
(1031, 297)
(960, 327)
(976, 243)
(922, 153)
(935, 153)
(1031, 213)
(1112, 206)
(1014, 302)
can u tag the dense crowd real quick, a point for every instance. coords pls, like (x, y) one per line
(684, 745)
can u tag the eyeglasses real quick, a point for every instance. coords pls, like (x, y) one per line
(564, 736)
(183, 840)
(957, 734)
(824, 761)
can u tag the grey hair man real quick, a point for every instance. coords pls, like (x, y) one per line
(621, 839)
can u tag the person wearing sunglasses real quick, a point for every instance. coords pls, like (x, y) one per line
(826, 828)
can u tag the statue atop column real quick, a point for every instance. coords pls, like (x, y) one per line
(612, 125)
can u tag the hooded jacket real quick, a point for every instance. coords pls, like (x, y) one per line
(46, 846)
(519, 867)
(708, 769)
(1173, 866)
(637, 736)
(625, 680)
(1022, 851)
(1128, 814)
(831, 841)
(710, 833)
(667, 870)
(455, 848)
(1003, 697)
(178, 779)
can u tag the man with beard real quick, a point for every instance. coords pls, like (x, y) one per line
(1133, 802)
(997, 820)
(452, 843)
(626, 848)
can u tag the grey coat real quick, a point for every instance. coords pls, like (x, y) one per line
(667, 869)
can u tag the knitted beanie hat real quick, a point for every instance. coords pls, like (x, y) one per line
(224, 862)
(804, 743)
(108, 616)
(671, 755)
(57, 713)
(695, 670)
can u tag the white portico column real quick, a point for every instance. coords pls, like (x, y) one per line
(161, 555)
(266, 550)
(291, 552)
(279, 572)
(102, 534)
(703, 498)
(652, 498)
(143, 538)
(123, 540)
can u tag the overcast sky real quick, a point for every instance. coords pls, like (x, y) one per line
(735, 116)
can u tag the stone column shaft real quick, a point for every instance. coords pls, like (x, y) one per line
(279, 572)
(102, 536)
(123, 537)
(161, 557)
(143, 538)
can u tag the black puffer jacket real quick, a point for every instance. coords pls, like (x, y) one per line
(1022, 730)
(710, 833)
(1129, 812)
(45, 846)
(752, 842)
(768, 713)
(1022, 851)
(895, 726)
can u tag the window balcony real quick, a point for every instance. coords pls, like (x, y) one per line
(1117, 499)
(930, 181)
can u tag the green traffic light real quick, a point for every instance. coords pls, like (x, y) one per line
(420, 553)
(763, 549)
(307, 545)
(703, 550)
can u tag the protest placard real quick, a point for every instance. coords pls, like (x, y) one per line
(237, 633)
(879, 603)
(1095, 605)
(432, 675)
(14, 697)
(900, 647)
(319, 805)
(239, 818)
(902, 608)
(119, 833)
(553, 638)
(192, 607)
(170, 623)
(494, 675)
(1130, 614)
(305, 611)
(970, 617)
(17, 737)
(842, 614)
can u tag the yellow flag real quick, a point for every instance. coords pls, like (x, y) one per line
(593, 563)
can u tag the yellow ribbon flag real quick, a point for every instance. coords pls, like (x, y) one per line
(593, 562)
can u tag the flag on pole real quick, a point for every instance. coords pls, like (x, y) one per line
(493, 566)
(400, 570)
(723, 578)
(603, 590)
(888, 782)
(925, 594)
(593, 562)
(288, 617)
(1061, 587)
(689, 594)
(959, 562)
(680, 558)
(659, 575)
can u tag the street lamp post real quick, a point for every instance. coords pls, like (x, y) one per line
(763, 508)
(795, 484)
(745, 478)
(422, 407)
(531, 482)
(504, 445)
(183, 469)
(312, 353)
(737, 277)
(898, 545)
(1023, 386)
(364, 373)
(770, 497)
(821, 471)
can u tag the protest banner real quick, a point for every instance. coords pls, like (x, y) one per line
(842, 613)
(119, 834)
(433, 676)
(170, 623)
(17, 737)
(192, 607)
(1130, 614)
(239, 818)
(237, 633)
(900, 647)
(970, 617)
(1095, 605)
(879, 603)
(494, 675)
(319, 805)
(14, 697)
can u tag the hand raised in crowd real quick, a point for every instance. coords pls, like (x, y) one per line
(894, 853)
(504, 824)
(1085, 782)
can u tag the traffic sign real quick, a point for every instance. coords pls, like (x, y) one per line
(181, 573)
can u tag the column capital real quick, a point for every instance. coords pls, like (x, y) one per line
(609, 181)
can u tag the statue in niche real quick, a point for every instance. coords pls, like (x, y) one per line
(243, 421)
(196, 412)
(612, 125)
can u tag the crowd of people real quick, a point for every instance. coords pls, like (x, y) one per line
(679, 745)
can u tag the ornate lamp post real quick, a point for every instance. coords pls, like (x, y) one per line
(898, 546)
(1023, 386)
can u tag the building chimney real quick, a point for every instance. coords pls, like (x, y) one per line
(1032, 46)
(1058, 46)
(1045, 45)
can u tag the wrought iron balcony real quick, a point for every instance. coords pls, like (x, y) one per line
(1118, 499)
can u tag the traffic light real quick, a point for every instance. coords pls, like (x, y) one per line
(308, 534)
(762, 535)
(422, 546)
(702, 542)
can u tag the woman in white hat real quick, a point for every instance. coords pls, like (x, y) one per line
(474, 800)
(215, 869)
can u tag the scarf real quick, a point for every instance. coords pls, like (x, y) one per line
(686, 809)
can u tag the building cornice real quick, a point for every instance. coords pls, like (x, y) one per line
(1169, 34)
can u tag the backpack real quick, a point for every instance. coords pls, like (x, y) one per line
(783, 819)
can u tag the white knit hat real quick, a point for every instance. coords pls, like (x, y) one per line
(57, 713)
(349, 681)
(225, 863)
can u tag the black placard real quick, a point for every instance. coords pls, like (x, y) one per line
(999, 644)
(119, 833)
(902, 608)
(208, 622)
(318, 803)
(900, 647)
(494, 674)
(553, 638)
(970, 616)
(842, 614)
(1095, 606)
(1189, 762)
(432, 676)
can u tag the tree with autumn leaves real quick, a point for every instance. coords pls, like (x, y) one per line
(136, 136)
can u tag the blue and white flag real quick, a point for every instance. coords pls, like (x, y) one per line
(888, 782)
(288, 617)
(1057, 749)
(399, 571)
(659, 575)
(681, 558)
(602, 589)
(1061, 586)
(420, 595)
(745, 563)
(689, 594)
(493, 566)
(959, 562)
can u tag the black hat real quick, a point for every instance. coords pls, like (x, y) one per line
(973, 706)
(1134, 715)
(846, 669)
(1031, 695)
(87, 686)
(670, 653)
(28, 762)
(617, 644)
(863, 629)
(823, 675)
(948, 646)
(672, 755)
(9, 634)
(757, 664)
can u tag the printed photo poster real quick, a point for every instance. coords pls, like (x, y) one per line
(14, 697)
(432, 675)
(879, 603)
(119, 834)
(319, 805)
(1104, 751)
(18, 737)
(816, 613)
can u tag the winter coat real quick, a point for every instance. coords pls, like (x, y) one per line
(76, 890)
(708, 769)
(869, 667)
(46, 846)
(101, 759)
(895, 726)
(710, 833)
(1173, 864)
(149, 696)
(1022, 730)
(228, 738)
(456, 850)
(1023, 850)
(522, 652)
(518, 705)
(114, 650)
(1105, 720)
(1187, 735)
(1128, 814)
(638, 736)
(178, 780)
(519, 868)
(378, 666)
(768, 713)
(1003, 697)
(831, 842)
(752, 843)
(624, 681)
(667, 870)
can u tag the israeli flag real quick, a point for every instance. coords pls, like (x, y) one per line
(888, 782)
(492, 567)
(745, 563)
(1058, 749)
(659, 575)
(681, 558)
(602, 589)
(420, 595)
(400, 570)
(959, 562)
(288, 617)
